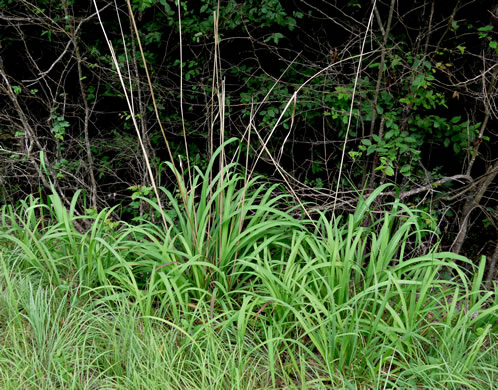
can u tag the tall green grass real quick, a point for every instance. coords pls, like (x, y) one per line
(240, 290)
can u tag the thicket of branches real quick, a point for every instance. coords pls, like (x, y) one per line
(380, 91)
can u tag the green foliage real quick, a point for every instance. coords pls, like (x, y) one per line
(59, 125)
(485, 34)
(237, 280)
(260, 66)
(409, 114)
(17, 89)
(136, 203)
(409, 120)
(198, 22)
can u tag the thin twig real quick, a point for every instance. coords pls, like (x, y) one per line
(181, 96)
(352, 104)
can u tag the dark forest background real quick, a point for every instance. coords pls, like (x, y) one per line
(423, 114)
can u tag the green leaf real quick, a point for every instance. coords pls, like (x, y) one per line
(275, 37)
(489, 27)
(389, 171)
(405, 170)
(419, 81)
(167, 8)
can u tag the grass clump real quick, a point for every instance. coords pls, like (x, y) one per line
(237, 292)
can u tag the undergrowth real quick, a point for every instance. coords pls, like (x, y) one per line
(237, 292)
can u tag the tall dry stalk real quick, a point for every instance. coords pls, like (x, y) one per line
(129, 102)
